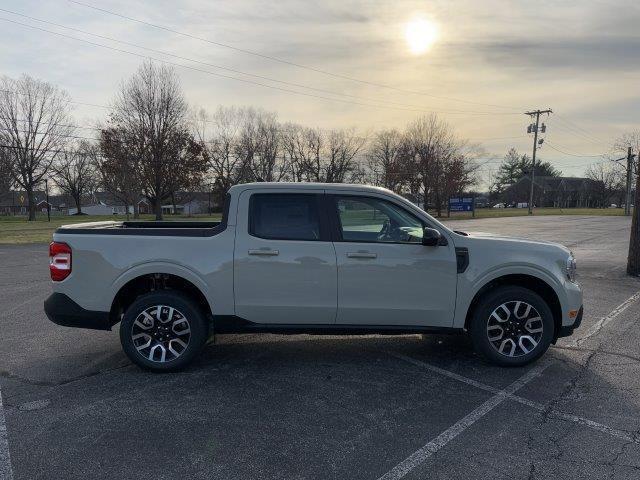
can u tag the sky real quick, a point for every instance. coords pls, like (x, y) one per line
(377, 64)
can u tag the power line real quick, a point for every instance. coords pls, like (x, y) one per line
(262, 77)
(287, 62)
(572, 154)
(231, 77)
(580, 129)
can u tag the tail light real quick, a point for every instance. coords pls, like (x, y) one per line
(59, 261)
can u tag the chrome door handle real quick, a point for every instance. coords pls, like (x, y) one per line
(268, 253)
(362, 255)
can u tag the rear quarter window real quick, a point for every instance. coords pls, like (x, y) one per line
(278, 216)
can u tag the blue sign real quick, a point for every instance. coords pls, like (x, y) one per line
(461, 204)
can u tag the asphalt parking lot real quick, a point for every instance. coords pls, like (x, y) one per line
(329, 407)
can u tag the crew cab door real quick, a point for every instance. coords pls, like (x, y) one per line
(284, 260)
(385, 275)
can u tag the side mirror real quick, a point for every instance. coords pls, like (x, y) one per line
(430, 237)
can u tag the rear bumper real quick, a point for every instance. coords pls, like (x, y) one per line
(63, 311)
(568, 330)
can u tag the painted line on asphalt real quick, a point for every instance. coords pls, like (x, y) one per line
(600, 324)
(6, 472)
(524, 401)
(422, 454)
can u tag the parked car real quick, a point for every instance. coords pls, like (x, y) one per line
(310, 258)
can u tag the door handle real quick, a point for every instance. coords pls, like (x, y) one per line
(362, 255)
(267, 253)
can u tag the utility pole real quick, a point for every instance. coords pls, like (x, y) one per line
(535, 128)
(633, 260)
(627, 203)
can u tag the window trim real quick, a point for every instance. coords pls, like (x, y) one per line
(322, 217)
(336, 224)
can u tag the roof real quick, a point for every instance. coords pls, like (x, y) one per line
(309, 186)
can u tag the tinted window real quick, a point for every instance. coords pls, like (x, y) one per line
(368, 219)
(284, 216)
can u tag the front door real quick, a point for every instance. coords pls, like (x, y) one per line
(385, 275)
(284, 261)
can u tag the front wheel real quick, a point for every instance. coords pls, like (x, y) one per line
(163, 331)
(512, 326)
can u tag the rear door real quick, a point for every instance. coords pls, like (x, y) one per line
(284, 260)
(385, 275)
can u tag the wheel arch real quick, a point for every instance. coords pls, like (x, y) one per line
(131, 286)
(529, 282)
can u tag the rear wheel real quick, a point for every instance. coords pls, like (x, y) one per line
(163, 331)
(512, 326)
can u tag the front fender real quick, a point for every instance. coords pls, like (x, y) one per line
(471, 283)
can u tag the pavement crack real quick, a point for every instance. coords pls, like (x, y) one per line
(605, 352)
(42, 383)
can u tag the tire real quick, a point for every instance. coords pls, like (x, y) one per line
(164, 342)
(505, 331)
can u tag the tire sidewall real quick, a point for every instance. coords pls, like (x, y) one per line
(488, 304)
(186, 306)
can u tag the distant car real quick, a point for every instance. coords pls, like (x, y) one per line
(613, 205)
(499, 205)
(291, 258)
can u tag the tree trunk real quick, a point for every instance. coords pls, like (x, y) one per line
(136, 210)
(78, 205)
(31, 205)
(158, 207)
(633, 261)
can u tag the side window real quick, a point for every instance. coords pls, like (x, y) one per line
(368, 219)
(279, 216)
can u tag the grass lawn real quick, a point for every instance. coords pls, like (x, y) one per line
(519, 212)
(18, 230)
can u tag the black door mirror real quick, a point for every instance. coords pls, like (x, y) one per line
(430, 237)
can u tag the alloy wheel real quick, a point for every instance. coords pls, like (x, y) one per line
(161, 333)
(514, 328)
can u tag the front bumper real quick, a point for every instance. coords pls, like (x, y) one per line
(568, 330)
(63, 311)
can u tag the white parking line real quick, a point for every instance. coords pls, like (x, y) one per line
(460, 426)
(6, 472)
(600, 324)
(524, 401)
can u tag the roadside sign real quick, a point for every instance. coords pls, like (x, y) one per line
(461, 204)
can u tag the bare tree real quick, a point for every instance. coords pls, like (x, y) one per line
(608, 182)
(220, 148)
(269, 163)
(628, 139)
(389, 158)
(75, 172)
(34, 128)
(342, 147)
(151, 108)
(442, 162)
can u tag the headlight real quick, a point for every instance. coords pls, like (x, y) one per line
(571, 268)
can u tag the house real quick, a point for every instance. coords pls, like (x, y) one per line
(16, 202)
(190, 203)
(104, 203)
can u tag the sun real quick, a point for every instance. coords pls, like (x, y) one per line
(420, 34)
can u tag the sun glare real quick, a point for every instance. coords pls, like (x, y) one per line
(420, 34)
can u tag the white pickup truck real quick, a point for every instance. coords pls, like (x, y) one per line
(314, 259)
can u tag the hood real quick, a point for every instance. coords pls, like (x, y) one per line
(514, 241)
